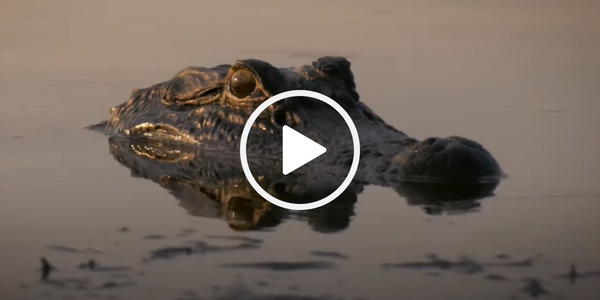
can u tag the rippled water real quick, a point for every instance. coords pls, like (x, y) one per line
(521, 77)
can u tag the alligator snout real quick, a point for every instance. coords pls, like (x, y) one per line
(452, 158)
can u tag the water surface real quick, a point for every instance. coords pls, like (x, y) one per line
(520, 77)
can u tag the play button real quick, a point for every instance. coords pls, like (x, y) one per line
(298, 150)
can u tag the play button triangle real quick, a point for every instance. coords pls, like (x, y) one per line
(298, 150)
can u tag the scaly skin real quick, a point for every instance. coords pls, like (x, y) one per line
(208, 107)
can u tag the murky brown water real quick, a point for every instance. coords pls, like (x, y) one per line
(521, 77)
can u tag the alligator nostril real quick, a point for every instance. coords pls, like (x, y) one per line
(433, 144)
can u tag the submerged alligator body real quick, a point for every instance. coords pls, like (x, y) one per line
(208, 107)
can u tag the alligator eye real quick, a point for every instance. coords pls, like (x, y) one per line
(242, 83)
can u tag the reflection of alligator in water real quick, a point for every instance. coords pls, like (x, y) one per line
(208, 107)
(209, 184)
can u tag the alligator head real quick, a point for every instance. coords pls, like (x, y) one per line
(208, 108)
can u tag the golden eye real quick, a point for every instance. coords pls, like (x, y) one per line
(242, 83)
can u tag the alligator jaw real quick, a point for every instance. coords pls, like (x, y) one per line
(159, 131)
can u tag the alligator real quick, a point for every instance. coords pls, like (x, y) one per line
(208, 108)
(184, 135)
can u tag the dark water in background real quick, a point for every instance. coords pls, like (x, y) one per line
(521, 77)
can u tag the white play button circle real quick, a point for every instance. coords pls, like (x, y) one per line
(299, 150)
